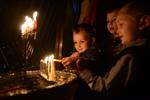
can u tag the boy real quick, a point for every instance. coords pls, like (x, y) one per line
(129, 72)
(84, 42)
(110, 45)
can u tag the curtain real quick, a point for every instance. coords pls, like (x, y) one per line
(88, 11)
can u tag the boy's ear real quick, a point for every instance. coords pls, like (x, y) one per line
(144, 22)
(93, 40)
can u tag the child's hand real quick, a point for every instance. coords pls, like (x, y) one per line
(67, 61)
(74, 55)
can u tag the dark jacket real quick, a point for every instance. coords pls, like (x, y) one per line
(93, 60)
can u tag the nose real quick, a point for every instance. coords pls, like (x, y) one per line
(117, 31)
(79, 44)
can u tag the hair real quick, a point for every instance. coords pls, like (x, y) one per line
(136, 9)
(89, 29)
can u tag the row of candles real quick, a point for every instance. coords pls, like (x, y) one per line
(48, 63)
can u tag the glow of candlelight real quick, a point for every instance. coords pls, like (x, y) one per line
(29, 24)
(47, 67)
(34, 20)
(51, 67)
(49, 58)
(23, 29)
(35, 15)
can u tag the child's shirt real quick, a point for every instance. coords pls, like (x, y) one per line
(94, 60)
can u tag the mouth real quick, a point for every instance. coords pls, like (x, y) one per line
(120, 37)
(79, 49)
(116, 36)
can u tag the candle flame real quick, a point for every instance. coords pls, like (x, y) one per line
(30, 24)
(23, 27)
(49, 58)
(35, 15)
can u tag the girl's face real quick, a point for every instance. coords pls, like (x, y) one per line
(81, 41)
(127, 28)
(111, 22)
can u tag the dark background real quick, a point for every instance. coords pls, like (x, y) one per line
(55, 17)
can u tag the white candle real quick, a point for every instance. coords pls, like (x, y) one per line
(48, 69)
(35, 20)
(48, 58)
(35, 15)
(56, 60)
(23, 29)
(43, 66)
(53, 72)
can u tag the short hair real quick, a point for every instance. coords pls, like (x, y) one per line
(136, 8)
(88, 28)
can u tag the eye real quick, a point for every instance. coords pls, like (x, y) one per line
(120, 24)
(82, 41)
(114, 19)
(75, 42)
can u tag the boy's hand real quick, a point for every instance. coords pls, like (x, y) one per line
(67, 61)
(74, 55)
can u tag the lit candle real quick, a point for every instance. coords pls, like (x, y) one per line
(35, 15)
(23, 29)
(57, 60)
(34, 20)
(53, 72)
(48, 68)
(29, 25)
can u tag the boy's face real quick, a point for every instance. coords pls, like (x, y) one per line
(127, 28)
(111, 23)
(81, 41)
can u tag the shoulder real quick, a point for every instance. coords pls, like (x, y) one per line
(126, 58)
(124, 62)
(92, 50)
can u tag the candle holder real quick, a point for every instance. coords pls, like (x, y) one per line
(28, 34)
(28, 48)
